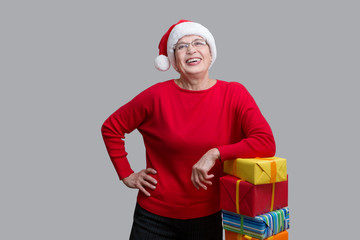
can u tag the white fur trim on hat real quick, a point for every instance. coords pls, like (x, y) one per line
(189, 28)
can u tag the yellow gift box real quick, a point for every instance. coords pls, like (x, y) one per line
(257, 170)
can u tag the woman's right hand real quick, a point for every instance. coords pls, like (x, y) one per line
(141, 180)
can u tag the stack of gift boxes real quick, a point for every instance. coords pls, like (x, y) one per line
(254, 199)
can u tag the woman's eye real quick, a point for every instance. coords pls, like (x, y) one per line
(181, 46)
(199, 43)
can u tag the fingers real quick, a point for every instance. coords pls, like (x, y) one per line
(142, 181)
(200, 178)
(147, 181)
(195, 180)
(150, 181)
(150, 171)
(143, 190)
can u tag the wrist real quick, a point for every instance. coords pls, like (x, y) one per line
(216, 154)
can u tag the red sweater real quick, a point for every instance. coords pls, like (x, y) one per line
(178, 127)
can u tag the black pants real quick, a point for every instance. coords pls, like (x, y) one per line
(149, 226)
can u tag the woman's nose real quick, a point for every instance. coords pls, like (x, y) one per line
(190, 49)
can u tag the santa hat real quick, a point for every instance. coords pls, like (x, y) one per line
(172, 36)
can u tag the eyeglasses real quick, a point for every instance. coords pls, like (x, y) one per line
(197, 43)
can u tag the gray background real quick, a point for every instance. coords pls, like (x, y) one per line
(67, 65)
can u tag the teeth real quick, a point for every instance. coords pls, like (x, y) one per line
(193, 60)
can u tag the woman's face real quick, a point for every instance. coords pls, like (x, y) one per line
(194, 59)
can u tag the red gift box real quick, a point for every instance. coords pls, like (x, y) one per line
(245, 198)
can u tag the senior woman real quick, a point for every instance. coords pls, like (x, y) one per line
(190, 125)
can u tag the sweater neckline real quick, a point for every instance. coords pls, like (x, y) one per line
(194, 91)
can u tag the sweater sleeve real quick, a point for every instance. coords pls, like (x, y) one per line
(257, 139)
(123, 121)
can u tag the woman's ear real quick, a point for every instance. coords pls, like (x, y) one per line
(176, 68)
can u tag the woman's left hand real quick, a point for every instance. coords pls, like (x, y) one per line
(199, 176)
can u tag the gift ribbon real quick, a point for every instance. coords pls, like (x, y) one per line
(234, 168)
(273, 172)
(238, 208)
(237, 200)
(250, 238)
(272, 168)
(242, 224)
(237, 196)
(272, 197)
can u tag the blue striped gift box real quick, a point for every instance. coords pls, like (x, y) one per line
(261, 227)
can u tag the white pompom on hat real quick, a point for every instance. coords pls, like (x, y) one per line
(172, 36)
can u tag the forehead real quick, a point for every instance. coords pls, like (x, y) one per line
(189, 38)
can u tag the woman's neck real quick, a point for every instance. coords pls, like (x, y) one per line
(195, 84)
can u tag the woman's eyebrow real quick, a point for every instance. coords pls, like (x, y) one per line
(191, 41)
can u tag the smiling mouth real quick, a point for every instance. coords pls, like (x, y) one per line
(193, 60)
